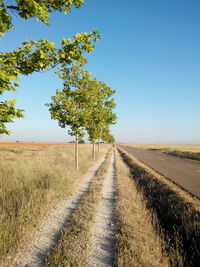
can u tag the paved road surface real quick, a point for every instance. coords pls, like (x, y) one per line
(183, 172)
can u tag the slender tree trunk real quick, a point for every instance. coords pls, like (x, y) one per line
(93, 150)
(98, 147)
(76, 153)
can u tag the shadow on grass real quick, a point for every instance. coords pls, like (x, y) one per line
(178, 219)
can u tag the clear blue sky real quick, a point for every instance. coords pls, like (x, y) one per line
(149, 53)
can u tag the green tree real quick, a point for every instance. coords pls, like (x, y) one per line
(101, 114)
(70, 106)
(107, 136)
(37, 56)
(84, 104)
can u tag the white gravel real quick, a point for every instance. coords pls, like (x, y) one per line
(103, 236)
(48, 232)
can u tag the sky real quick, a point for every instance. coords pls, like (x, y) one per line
(149, 53)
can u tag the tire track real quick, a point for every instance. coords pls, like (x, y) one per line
(103, 234)
(49, 231)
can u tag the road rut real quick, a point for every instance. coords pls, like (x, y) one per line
(104, 229)
(50, 229)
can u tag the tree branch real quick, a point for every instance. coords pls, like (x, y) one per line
(42, 71)
(13, 7)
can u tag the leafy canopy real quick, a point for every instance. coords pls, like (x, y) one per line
(69, 106)
(40, 9)
(36, 56)
(84, 104)
(101, 110)
(8, 113)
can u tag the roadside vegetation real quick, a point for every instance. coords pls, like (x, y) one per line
(178, 213)
(73, 246)
(184, 151)
(33, 179)
(137, 242)
(184, 154)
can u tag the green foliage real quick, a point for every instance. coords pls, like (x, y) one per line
(43, 55)
(101, 114)
(37, 56)
(7, 114)
(107, 136)
(69, 106)
(83, 104)
(40, 9)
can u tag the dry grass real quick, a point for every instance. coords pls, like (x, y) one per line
(33, 180)
(28, 144)
(183, 151)
(191, 148)
(178, 213)
(73, 245)
(184, 154)
(137, 242)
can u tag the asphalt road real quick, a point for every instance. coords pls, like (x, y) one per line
(183, 172)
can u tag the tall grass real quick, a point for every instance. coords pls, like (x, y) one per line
(178, 213)
(32, 181)
(137, 242)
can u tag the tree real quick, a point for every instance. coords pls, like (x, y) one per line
(37, 56)
(83, 104)
(107, 136)
(70, 106)
(100, 111)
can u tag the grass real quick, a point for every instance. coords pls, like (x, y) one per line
(178, 213)
(183, 151)
(191, 148)
(184, 154)
(137, 242)
(72, 248)
(33, 179)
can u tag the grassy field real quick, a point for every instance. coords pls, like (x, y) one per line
(33, 179)
(178, 213)
(28, 144)
(158, 223)
(189, 148)
(184, 151)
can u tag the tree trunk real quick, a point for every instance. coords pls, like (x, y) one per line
(93, 150)
(98, 147)
(76, 153)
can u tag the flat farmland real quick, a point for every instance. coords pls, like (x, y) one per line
(114, 211)
(189, 148)
(32, 144)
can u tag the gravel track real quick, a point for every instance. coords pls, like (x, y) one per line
(104, 229)
(48, 233)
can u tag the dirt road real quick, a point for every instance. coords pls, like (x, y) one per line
(102, 238)
(49, 231)
(183, 172)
